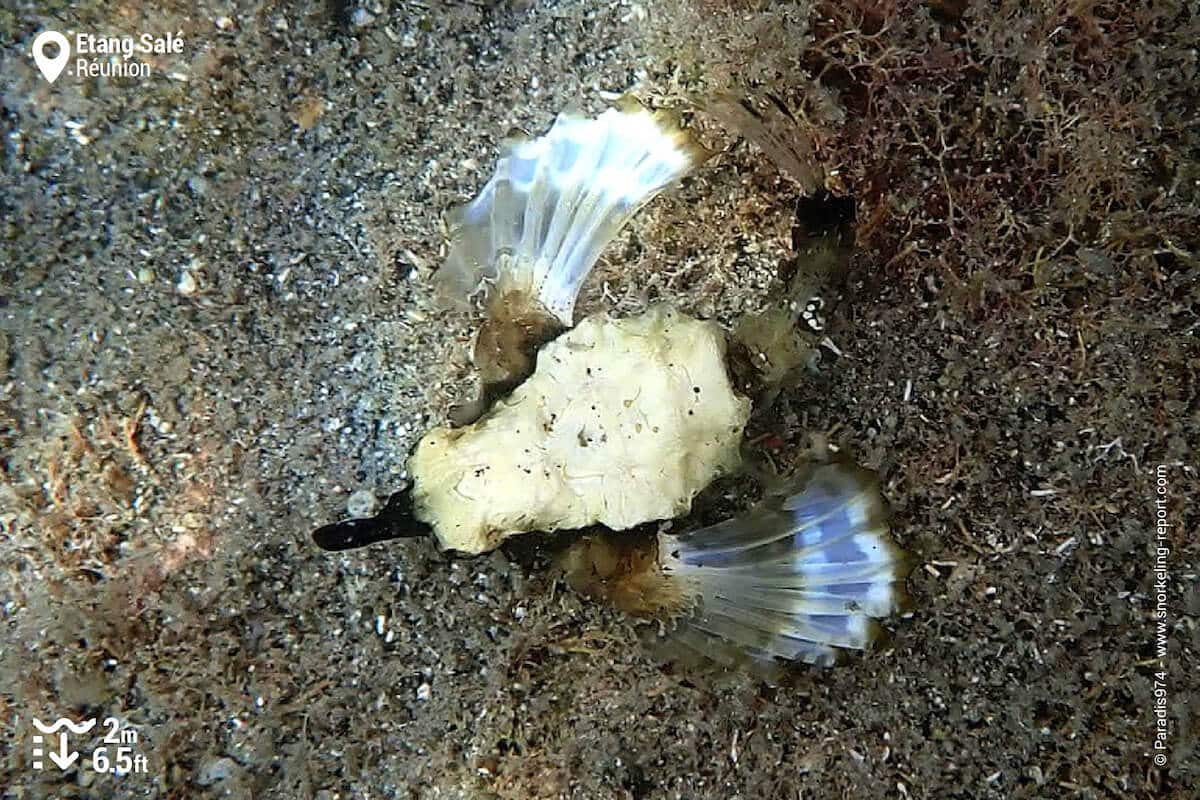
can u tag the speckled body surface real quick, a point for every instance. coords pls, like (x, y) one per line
(623, 422)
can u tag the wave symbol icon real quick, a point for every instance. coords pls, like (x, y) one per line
(63, 722)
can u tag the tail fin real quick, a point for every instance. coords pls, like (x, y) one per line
(797, 578)
(539, 225)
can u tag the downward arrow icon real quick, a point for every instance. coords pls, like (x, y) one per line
(62, 758)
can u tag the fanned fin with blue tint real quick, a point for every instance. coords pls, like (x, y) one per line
(798, 578)
(553, 204)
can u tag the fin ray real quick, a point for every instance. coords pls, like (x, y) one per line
(554, 202)
(799, 576)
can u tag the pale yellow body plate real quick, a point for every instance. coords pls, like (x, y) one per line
(623, 422)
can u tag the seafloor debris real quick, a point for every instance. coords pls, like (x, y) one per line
(800, 577)
(773, 127)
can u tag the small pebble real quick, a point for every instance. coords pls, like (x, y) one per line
(215, 771)
(187, 285)
(362, 503)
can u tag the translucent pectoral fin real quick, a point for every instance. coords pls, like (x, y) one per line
(553, 204)
(799, 577)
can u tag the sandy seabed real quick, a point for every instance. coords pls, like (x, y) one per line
(216, 326)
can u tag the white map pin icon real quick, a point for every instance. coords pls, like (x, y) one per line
(51, 67)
